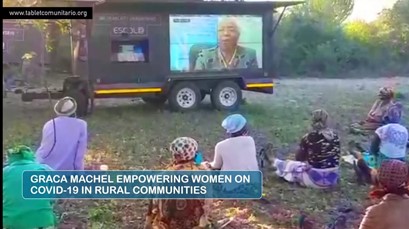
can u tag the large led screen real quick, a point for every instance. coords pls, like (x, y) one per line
(215, 42)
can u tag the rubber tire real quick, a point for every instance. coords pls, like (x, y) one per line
(172, 98)
(81, 100)
(155, 100)
(214, 96)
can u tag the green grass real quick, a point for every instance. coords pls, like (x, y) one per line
(128, 135)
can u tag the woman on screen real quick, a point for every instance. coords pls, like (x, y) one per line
(228, 54)
(180, 213)
(17, 211)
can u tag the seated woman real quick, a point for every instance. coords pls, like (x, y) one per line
(392, 188)
(389, 142)
(377, 113)
(65, 138)
(17, 211)
(238, 151)
(318, 157)
(180, 213)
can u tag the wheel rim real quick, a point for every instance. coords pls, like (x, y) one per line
(228, 96)
(186, 98)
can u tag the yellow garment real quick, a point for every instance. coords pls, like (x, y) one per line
(375, 116)
(378, 110)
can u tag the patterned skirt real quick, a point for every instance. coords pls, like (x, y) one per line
(303, 174)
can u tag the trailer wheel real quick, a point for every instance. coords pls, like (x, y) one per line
(184, 96)
(227, 95)
(155, 100)
(82, 101)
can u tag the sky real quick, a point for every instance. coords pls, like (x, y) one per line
(368, 9)
(365, 9)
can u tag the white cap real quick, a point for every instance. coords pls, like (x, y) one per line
(65, 106)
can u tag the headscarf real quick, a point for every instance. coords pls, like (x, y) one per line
(183, 149)
(393, 178)
(394, 113)
(29, 56)
(386, 93)
(393, 174)
(65, 107)
(235, 125)
(19, 153)
(320, 124)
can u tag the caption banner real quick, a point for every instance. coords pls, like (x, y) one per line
(142, 184)
(47, 12)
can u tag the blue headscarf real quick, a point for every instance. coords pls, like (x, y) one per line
(394, 114)
(235, 125)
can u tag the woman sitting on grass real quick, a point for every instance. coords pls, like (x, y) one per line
(317, 160)
(19, 212)
(238, 151)
(65, 138)
(392, 188)
(375, 117)
(180, 213)
(389, 142)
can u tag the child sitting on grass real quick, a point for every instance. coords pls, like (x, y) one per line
(20, 213)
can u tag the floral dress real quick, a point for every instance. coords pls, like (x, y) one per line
(179, 213)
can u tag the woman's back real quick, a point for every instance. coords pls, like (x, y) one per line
(17, 211)
(321, 152)
(181, 213)
(392, 212)
(394, 138)
(237, 153)
(60, 142)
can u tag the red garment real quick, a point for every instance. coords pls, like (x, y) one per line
(177, 214)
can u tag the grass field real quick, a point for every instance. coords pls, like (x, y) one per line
(131, 135)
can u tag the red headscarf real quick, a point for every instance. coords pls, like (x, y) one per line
(393, 178)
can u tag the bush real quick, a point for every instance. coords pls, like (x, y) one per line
(313, 46)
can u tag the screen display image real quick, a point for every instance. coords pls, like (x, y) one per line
(215, 42)
(129, 51)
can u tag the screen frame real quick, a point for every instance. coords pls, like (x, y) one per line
(221, 71)
(159, 72)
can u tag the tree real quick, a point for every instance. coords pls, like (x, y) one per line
(45, 26)
(335, 11)
(393, 27)
(51, 30)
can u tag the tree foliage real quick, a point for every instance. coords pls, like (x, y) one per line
(314, 39)
(45, 26)
(333, 11)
